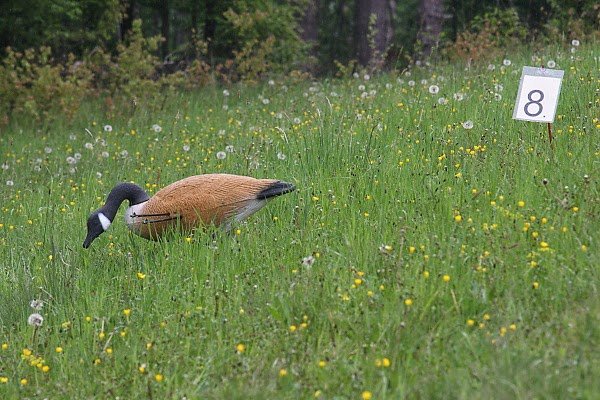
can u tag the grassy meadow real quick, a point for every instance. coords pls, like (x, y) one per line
(434, 248)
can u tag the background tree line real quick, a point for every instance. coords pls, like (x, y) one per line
(128, 49)
(305, 33)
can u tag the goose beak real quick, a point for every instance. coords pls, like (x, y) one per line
(89, 239)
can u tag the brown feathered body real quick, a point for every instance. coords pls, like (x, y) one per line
(218, 199)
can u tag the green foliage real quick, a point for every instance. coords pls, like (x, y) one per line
(32, 85)
(263, 37)
(67, 26)
(489, 35)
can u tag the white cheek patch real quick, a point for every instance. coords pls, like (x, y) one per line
(104, 221)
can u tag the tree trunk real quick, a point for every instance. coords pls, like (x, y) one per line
(309, 31)
(129, 14)
(432, 23)
(374, 30)
(165, 27)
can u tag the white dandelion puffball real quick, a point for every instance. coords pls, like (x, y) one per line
(281, 156)
(506, 62)
(107, 128)
(434, 89)
(225, 92)
(575, 43)
(156, 128)
(71, 160)
(468, 124)
(551, 64)
(221, 155)
(89, 146)
(186, 148)
(36, 304)
(35, 319)
(229, 148)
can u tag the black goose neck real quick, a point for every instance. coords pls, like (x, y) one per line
(121, 192)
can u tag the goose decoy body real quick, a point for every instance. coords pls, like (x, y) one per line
(218, 199)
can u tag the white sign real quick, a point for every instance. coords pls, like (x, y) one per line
(538, 94)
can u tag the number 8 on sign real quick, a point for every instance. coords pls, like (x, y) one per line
(538, 94)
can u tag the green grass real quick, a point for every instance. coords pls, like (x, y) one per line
(519, 316)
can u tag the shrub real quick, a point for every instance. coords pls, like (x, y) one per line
(32, 84)
(488, 35)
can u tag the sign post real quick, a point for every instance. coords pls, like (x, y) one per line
(538, 94)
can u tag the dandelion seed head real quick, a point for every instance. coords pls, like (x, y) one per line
(434, 89)
(506, 62)
(225, 92)
(308, 261)
(108, 128)
(221, 155)
(468, 124)
(491, 67)
(156, 128)
(10, 183)
(575, 43)
(551, 64)
(35, 319)
(36, 304)
(186, 147)
(411, 83)
(281, 156)
(71, 160)
(47, 150)
(88, 146)
(229, 148)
